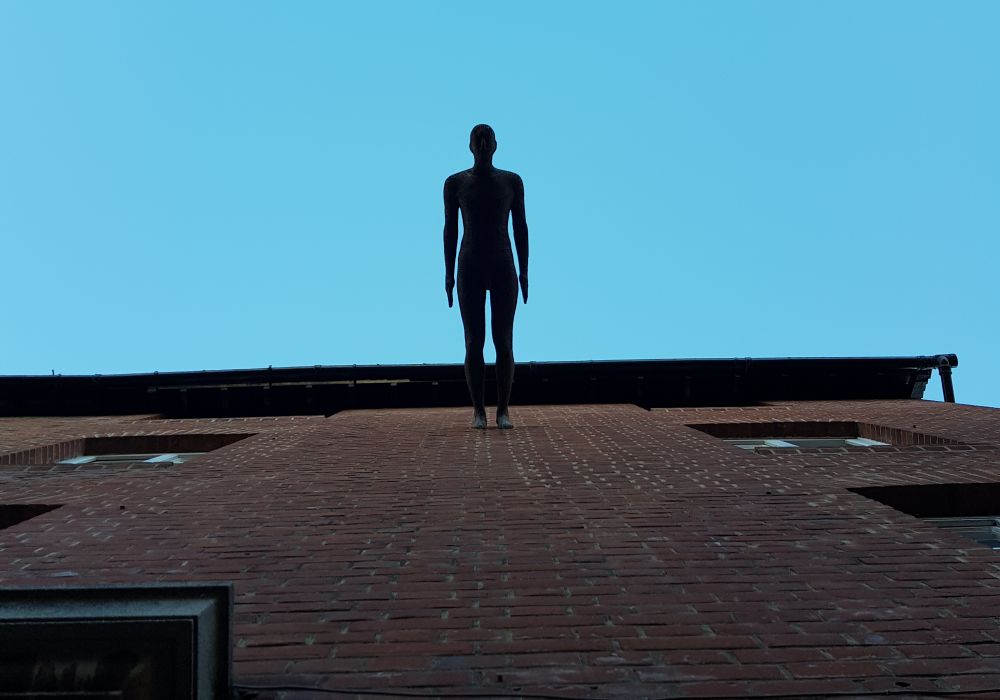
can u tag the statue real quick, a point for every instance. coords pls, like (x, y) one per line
(487, 197)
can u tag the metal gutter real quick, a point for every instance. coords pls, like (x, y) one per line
(325, 389)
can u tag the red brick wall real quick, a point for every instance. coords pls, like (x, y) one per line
(594, 550)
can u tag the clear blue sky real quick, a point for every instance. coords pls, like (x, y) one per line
(192, 185)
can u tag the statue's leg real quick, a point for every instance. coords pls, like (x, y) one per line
(503, 304)
(472, 303)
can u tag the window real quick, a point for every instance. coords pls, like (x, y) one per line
(969, 510)
(15, 513)
(155, 641)
(985, 531)
(124, 450)
(816, 435)
(753, 443)
(143, 458)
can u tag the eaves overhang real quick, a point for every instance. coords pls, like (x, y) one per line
(329, 389)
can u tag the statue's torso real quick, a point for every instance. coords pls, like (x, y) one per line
(485, 200)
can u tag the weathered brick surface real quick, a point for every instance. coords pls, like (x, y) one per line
(595, 551)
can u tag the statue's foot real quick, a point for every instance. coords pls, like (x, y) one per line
(479, 420)
(503, 421)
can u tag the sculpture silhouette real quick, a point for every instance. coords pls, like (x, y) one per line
(487, 197)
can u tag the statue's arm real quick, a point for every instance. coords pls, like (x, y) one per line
(450, 234)
(520, 234)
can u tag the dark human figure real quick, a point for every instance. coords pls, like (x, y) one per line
(487, 197)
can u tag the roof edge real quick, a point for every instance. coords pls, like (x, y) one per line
(327, 389)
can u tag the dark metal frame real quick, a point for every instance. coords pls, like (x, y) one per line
(196, 617)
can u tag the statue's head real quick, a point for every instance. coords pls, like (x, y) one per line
(482, 141)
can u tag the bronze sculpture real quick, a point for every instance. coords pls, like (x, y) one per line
(486, 197)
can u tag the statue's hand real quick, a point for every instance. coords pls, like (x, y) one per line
(523, 279)
(449, 286)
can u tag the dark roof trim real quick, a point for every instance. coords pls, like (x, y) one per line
(329, 389)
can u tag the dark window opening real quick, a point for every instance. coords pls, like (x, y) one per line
(156, 642)
(985, 531)
(970, 510)
(787, 442)
(109, 460)
(816, 434)
(121, 450)
(12, 514)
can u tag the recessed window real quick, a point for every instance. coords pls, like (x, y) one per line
(124, 450)
(14, 513)
(985, 531)
(816, 435)
(754, 443)
(145, 458)
(154, 641)
(969, 510)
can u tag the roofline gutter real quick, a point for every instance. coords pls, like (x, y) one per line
(329, 389)
(945, 363)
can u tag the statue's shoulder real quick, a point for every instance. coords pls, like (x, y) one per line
(453, 183)
(457, 178)
(513, 178)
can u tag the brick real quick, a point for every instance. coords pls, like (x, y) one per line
(710, 689)
(859, 652)
(734, 672)
(403, 649)
(939, 651)
(632, 658)
(545, 659)
(396, 663)
(558, 675)
(407, 679)
(476, 662)
(526, 646)
(944, 667)
(322, 666)
(261, 667)
(803, 640)
(779, 656)
(284, 651)
(969, 683)
(689, 642)
(810, 687)
(836, 669)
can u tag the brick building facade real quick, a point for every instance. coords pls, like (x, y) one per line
(597, 550)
